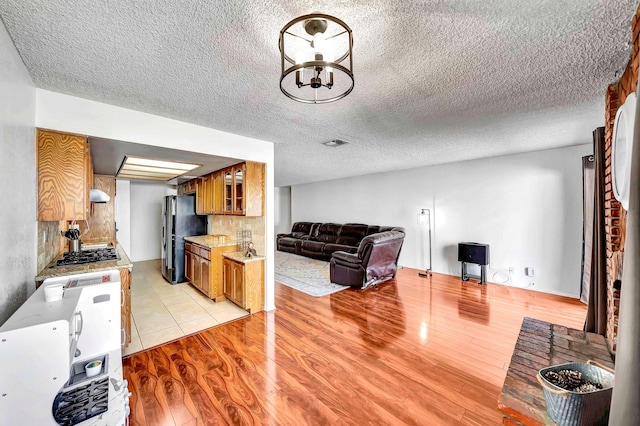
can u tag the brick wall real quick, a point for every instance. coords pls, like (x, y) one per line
(615, 216)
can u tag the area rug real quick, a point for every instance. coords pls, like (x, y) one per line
(310, 276)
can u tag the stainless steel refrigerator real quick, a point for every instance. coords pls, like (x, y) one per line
(179, 220)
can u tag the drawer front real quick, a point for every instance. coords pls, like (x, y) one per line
(205, 253)
(189, 247)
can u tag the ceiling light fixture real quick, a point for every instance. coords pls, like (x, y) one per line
(150, 169)
(335, 142)
(316, 59)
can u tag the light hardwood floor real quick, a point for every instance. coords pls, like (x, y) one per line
(415, 351)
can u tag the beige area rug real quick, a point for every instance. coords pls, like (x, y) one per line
(309, 276)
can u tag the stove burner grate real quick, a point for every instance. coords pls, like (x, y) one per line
(77, 405)
(87, 256)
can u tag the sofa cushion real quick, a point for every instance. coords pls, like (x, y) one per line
(373, 229)
(330, 248)
(352, 233)
(287, 241)
(328, 232)
(313, 246)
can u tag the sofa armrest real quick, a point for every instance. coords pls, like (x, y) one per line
(282, 235)
(347, 257)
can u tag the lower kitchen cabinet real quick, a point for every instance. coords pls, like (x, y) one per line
(125, 304)
(244, 283)
(203, 268)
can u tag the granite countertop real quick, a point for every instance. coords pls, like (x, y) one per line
(202, 240)
(49, 272)
(239, 256)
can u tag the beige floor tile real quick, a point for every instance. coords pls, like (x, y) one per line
(134, 328)
(184, 312)
(151, 323)
(142, 291)
(223, 317)
(162, 336)
(175, 299)
(145, 302)
(198, 325)
(134, 346)
(224, 306)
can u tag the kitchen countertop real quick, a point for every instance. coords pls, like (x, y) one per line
(48, 272)
(202, 240)
(239, 256)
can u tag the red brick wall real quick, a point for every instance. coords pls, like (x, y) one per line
(615, 216)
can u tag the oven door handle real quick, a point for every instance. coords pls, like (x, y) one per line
(79, 323)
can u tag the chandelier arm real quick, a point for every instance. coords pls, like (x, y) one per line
(336, 35)
(305, 39)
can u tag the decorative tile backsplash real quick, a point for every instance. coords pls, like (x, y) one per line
(228, 225)
(50, 242)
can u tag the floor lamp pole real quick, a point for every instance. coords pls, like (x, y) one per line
(425, 216)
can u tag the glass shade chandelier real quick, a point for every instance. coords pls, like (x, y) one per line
(316, 59)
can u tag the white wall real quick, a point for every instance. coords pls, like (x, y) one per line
(527, 207)
(282, 210)
(68, 113)
(146, 219)
(18, 175)
(123, 214)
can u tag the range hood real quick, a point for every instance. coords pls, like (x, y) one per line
(98, 196)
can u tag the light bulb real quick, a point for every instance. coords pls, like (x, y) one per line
(318, 45)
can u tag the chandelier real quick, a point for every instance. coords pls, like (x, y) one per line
(316, 59)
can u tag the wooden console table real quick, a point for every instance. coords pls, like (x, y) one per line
(541, 344)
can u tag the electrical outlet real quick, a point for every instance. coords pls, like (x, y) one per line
(511, 269)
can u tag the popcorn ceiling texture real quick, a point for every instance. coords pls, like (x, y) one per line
(435, 81)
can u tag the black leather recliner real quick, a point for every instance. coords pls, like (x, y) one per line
(375, 261)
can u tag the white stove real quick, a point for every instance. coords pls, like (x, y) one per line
(44, 347)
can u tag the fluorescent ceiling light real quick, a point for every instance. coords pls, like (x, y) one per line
(150, 169)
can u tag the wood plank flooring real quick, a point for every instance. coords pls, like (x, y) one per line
(415, 351)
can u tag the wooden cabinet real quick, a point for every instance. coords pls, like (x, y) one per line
(236, 190)
(244, 283)
(203, 268)
(218, 192)
(205, 195)
(65, 176)
(125, 303)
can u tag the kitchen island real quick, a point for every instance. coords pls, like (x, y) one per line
(124, 265)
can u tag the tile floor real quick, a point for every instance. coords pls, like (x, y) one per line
(162, 312)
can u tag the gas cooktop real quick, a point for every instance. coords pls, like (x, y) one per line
(87, 256)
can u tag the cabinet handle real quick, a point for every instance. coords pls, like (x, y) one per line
(123, 336)
(122, 298)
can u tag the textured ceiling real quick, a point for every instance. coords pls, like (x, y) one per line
(435, 81)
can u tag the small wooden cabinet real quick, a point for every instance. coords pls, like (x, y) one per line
(125, 304)
(203, 268)
(244, 283)
(236, 190)
(65, 176)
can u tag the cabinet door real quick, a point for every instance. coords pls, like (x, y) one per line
(205, 276)
(238, 284)
(228, 191)
(197, 273)
(218, 192)
(188, 265)
(199, 196)
(227, 277)
(63, 176)
(238, 191)
(125, 309)
(208, 194)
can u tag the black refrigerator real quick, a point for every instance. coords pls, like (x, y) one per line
(179, 220)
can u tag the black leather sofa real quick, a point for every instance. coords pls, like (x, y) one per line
(360, 254)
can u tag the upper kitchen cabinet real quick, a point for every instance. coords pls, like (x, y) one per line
(249, 189)
(65, 176)
(218, 192)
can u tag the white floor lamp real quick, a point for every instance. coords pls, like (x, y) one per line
(425, 217)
